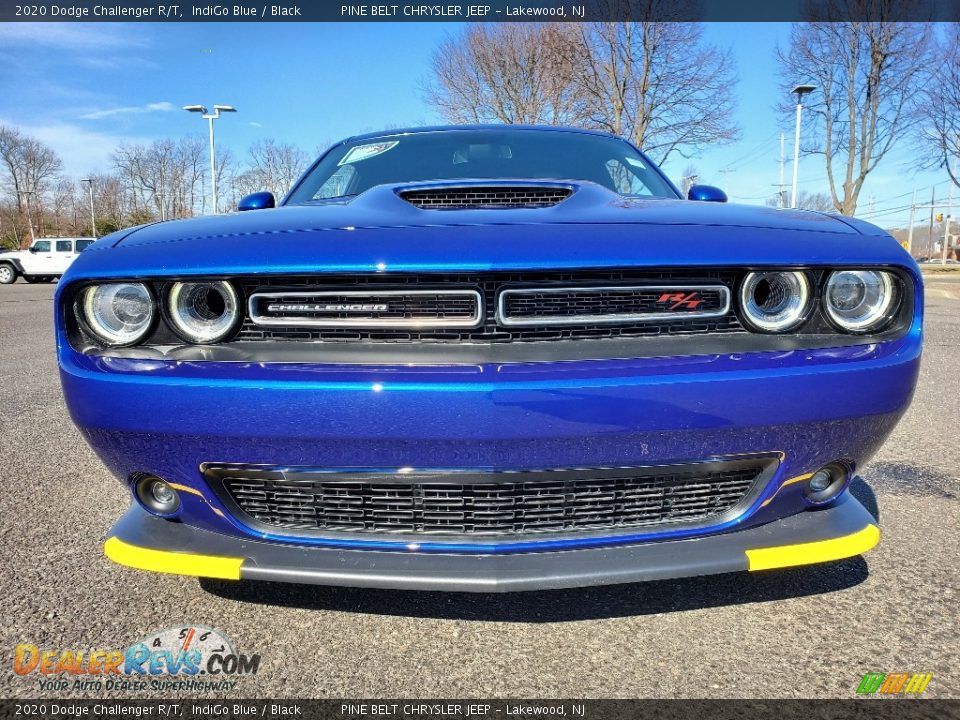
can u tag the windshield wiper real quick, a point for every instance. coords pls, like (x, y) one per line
(334, 197)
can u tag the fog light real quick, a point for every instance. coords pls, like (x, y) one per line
(820, 481)
(163, 493)
(157, 496)
(826, 484)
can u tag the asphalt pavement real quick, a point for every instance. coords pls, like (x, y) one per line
(808, 632)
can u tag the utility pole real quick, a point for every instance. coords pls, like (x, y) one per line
(781, 200)
(93, 220)
(946, 226)
(913, 212)
(933, 204)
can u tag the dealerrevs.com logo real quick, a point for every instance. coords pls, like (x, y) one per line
(191, 657)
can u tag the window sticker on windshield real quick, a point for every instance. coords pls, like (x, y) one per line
(635, 162)
(364, 152)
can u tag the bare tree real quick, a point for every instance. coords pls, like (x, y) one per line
(939, 110)
(657, 84)
(866, 75)
(112, 204)
(272, 166)
(690, 177)
(507, 73)
(820, 202)
(29, 167)
(164, 178)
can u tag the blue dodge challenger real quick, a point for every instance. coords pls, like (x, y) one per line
(487, 358)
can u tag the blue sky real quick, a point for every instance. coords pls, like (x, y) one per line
(83, 89)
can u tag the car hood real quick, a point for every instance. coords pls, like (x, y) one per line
(379, 231)
(382, 207)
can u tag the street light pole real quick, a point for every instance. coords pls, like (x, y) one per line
(213, 165)
(93, 218)
(210, 117)
(800, 90)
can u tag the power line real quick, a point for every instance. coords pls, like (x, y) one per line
(752, 153)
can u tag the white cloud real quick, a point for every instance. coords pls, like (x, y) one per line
(254, 124)
(81, 36)
(116, 62)
(82, 150)
(130, 110)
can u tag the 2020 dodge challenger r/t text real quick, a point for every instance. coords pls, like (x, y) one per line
(489, 358)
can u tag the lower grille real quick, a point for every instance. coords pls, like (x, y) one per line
(485, 504)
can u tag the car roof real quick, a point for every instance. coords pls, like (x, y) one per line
(502, 127)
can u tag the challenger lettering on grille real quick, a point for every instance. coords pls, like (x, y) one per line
(376, 308)
(317, 307)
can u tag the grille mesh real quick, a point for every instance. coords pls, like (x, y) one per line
(460, 309)
(491, 198)
(543, 502)
(489, 285)
(610, 302)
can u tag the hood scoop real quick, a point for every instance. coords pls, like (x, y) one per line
(486, 197)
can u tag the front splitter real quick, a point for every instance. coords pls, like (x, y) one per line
(146, 542)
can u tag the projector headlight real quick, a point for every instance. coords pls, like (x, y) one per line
(775, 301)
(203, 312)
(118, 314)
(859, 300)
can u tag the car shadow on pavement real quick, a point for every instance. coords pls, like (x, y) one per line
(548, 606)
(864, 493)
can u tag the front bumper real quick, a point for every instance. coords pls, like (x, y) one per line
(843, 530)
(805, 407)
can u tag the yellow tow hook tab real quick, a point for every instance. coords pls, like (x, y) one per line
(813, 552)
(176, 563)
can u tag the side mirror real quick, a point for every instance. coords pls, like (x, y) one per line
(257, 201)
(706, 193)
(32, 248)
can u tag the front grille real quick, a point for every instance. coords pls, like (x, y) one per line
(479, 504)
(378, 308)
(489, 198)
(489, 286)
(617, 304)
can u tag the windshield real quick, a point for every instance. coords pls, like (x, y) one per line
(354, 167)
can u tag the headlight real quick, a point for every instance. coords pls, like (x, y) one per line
(203, 312)
(118, 314)
(775, 301)
(859, 300)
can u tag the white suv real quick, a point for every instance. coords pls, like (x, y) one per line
(45, 260)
